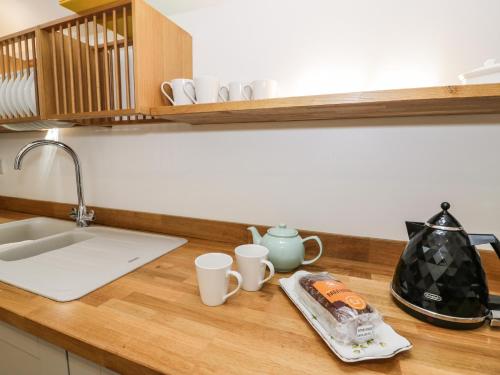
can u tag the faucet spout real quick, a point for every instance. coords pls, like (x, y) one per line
(79, 214)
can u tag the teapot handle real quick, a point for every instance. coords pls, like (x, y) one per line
(482, 239)
(315, 238)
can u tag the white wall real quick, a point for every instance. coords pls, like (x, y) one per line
(17, 15)
(353, 179)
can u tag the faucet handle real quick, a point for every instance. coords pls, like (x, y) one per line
(89, 215)
(73, 213)
(83, 219)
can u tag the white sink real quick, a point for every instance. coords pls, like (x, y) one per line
(32, 229)
(55, 259)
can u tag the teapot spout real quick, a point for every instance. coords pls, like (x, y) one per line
(413, 228)
(255, 235)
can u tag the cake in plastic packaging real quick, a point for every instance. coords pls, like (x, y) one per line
(345, 314)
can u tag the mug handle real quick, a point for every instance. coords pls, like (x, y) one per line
(271, 271)
(221, 96)
(167, 83)
(189, 83)
(238, 277)
(315, 238)
(244, 93)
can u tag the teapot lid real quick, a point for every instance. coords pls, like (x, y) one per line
(444, 220)
(282, 231)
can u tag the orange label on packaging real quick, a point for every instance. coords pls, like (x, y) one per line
(336, 291)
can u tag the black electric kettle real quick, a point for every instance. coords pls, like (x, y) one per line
(440, 278)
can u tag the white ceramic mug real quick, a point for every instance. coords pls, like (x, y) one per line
(179, 90)
(206, 89)
(262, 89)
(234, 91)
(252, 262)
(213, 271)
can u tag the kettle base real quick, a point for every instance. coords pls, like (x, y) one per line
(438, 322)
(437, 319)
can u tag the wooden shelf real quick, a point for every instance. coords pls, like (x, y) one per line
(428, 101)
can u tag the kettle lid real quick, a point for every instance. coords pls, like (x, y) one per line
(444, 220)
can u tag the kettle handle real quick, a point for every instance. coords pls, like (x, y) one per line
(315, 238)
(482, 239)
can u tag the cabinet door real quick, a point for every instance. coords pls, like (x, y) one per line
(24, 354)
(81, 366)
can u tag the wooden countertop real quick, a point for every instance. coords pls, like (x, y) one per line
(152, 321)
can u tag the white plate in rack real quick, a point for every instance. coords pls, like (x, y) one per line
(30, 93)
(4, 110)
(386, 345)
(2, 82)
(7, 96)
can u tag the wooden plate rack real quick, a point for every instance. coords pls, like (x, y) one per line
(17, 58)
(104, 66)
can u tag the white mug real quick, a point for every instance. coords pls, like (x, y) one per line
(206, 89)
(252, 262)
(234, 91)
(262, 89)
(213, 271)
(179, 90)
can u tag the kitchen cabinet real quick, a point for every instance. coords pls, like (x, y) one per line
(24, 354)
(80, 366)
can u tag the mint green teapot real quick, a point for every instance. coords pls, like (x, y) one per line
(286, 247)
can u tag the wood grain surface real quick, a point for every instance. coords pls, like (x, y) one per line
(365, 249)
(426, 101)
(152, 321)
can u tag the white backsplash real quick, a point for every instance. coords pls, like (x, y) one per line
(351, 178)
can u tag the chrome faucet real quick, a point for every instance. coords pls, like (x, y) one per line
(80, 214)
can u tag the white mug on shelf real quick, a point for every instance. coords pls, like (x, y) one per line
(179, 90)
(206, 89)
(213, 271)
(252, 262)
(262, 89)
(234, 91)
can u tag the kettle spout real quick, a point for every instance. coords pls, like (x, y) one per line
(255, 235)
(413, 228)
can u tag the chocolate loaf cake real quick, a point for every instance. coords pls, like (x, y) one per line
(338, 308)
(345, 314)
